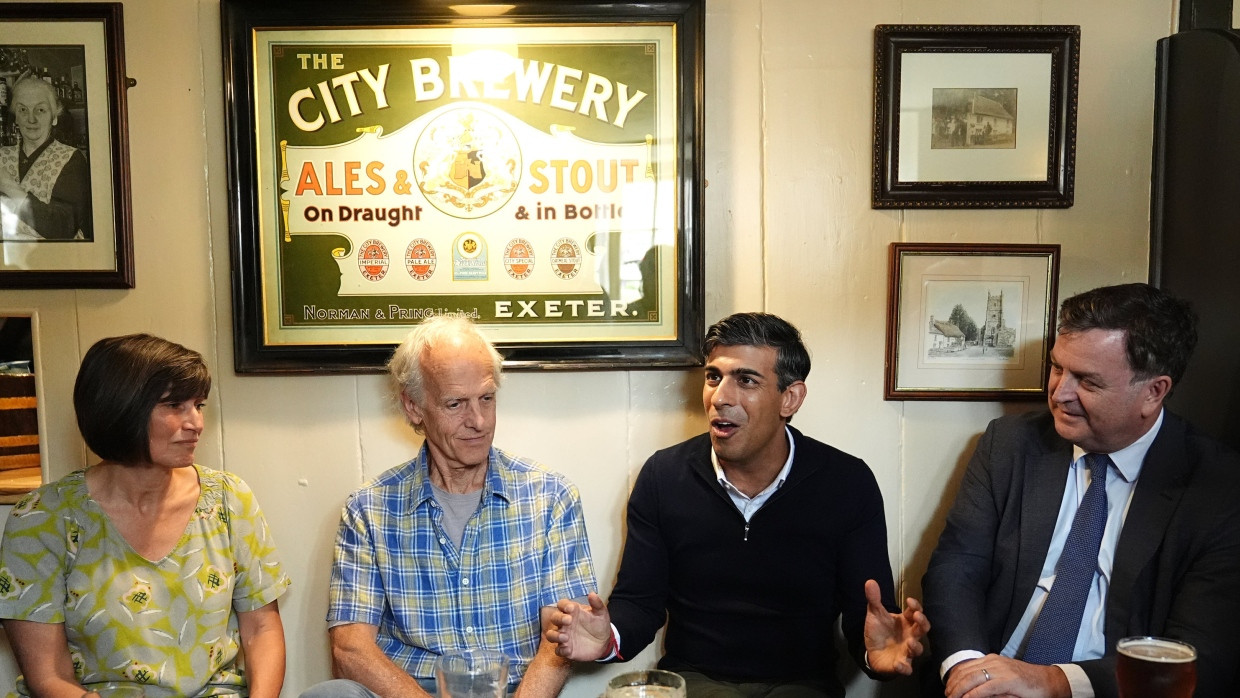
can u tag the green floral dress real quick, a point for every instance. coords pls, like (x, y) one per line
(170, 625)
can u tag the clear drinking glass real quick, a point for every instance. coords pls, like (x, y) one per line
(1155, 667)
(123, 691)
(655, 683)
(472, 674)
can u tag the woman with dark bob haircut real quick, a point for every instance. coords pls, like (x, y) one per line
(144, 570)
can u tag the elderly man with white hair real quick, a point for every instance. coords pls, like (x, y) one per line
(460, 547)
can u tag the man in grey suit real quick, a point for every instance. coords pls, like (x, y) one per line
(1017, 543)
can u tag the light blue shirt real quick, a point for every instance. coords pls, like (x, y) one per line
(1091, 640)
(746, 504)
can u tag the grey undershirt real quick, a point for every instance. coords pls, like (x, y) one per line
(457, 510)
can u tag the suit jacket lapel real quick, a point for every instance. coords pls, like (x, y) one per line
(1047, 475)
(1164, 475)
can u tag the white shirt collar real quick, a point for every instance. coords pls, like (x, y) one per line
(1128, 459)
(779, 479)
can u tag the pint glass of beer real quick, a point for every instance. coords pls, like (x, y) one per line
(1155, 667)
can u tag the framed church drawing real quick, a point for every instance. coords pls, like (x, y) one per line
(969, 322)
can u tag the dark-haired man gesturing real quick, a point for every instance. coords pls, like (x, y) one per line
(751, 541)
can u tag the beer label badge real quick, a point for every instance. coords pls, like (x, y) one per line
(420, 259)
(566, 258)
(372, 259)
(519, 258)
(469, 258)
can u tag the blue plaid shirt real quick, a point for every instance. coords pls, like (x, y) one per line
(396, 568)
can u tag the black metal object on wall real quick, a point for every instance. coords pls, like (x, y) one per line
(1195, 210)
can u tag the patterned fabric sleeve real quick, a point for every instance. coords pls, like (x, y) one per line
(32, 559)
(260, 577)
(569, 571)
(356, 593)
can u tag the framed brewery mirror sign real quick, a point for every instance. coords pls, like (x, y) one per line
(534, 167)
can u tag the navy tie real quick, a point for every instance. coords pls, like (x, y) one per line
(1057, 626)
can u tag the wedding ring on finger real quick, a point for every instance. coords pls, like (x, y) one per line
(985, 676)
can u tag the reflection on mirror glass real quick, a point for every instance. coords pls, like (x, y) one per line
(19, 414)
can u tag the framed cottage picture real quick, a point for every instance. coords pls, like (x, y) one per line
(975, 116)
(970, 322)
(533, 166)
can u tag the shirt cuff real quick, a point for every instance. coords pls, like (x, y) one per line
(956, 658)
(615, 646)
(1078, 680)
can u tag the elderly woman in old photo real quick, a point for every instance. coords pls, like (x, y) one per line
(44, 184)
(144, 574)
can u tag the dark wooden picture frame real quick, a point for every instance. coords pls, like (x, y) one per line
(271, 223)
(975, 116)
(85, 46)
(937, 350)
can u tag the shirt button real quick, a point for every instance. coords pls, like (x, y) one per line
(465, 581)
(470, 629)
(442, 540)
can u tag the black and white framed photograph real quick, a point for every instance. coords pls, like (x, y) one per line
(64, 170)
(975, 116)
(970, 322)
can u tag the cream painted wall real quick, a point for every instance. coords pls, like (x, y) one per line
(789, 230)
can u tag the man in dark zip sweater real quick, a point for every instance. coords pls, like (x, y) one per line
(750, 541)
